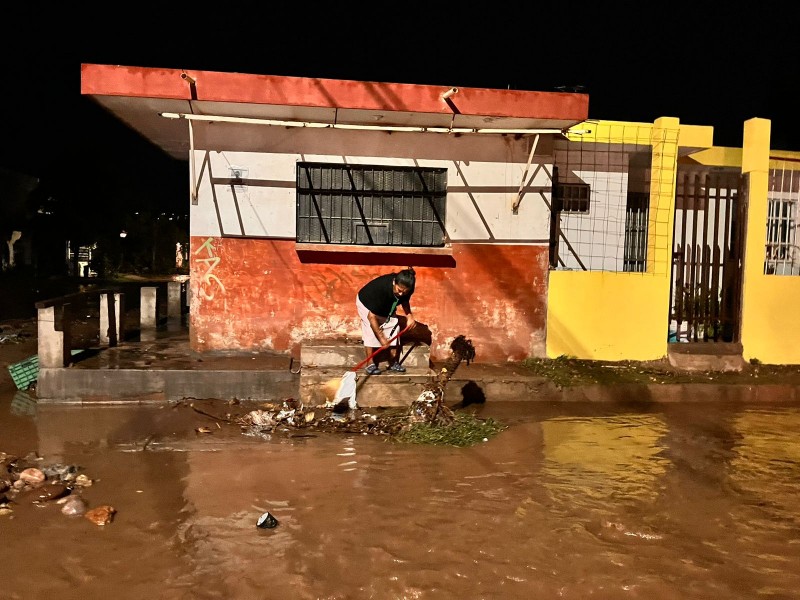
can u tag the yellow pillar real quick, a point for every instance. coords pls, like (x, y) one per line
(662, 195)
(755, 164)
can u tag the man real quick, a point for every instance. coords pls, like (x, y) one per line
(376, 303)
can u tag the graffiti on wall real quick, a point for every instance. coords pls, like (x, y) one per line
(209, 283)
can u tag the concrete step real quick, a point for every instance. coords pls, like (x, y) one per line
(323, 363)
(347, 354)
(706, 357)
(318, 385)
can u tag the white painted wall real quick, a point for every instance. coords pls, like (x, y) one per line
(484, 176)
(598, 237)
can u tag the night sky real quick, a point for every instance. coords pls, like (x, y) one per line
(716, 69)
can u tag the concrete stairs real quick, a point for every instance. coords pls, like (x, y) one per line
(323, 362)
(706, 356)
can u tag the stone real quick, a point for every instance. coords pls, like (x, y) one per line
(102, 515)
(32, 476)
(74, 506)
(51, 491)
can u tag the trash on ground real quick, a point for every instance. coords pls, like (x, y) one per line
(266, 521)
(426, 420)
(46, 485)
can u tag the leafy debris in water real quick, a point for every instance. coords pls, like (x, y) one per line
(426, 421)
(465, 430)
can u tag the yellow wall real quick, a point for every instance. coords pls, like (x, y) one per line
(717, 157)
(601, 315)
(623, 316)
(770, 303)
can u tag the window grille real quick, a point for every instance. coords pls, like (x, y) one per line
(782, 249)
(636, 215)
(573, 197)
(371, 205)
(605, 220)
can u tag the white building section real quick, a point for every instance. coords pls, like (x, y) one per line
(250, 190)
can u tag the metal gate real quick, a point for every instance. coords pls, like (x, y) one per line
(707, 255)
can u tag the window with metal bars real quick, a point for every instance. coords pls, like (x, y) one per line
(573, 197)
(783, 251)
(636, 215)
(370, 205)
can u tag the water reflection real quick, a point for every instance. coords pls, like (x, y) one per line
(571, 501)
(592, 459)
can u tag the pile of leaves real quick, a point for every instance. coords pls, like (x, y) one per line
(465, 430)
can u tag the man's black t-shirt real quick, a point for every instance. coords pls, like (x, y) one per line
(378, 295)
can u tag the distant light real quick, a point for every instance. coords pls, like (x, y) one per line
(123, 234)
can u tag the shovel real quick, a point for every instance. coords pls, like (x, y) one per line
(347, 386)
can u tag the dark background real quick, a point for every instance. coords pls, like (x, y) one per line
(705, 66)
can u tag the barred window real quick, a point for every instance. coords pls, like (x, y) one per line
(782, 257)
(636, 215)
(573, 197)
(370, 205)
(783, 222)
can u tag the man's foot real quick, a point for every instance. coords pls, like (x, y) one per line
(374, 369)
(397, 367)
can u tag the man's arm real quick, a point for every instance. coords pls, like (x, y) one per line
(376, 329)
(411, 321)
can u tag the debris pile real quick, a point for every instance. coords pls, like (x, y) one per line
(426, 420)
(429, 407)
(29, 480)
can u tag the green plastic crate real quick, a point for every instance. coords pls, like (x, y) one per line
(26, 372)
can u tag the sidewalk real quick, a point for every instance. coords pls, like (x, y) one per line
(163, 368)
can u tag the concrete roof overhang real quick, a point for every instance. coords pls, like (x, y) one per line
(139, 96)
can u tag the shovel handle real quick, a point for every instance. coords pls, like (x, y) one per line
(363, 362)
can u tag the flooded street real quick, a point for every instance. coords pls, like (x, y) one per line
(569, 501)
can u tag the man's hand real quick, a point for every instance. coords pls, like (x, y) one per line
(411, 322)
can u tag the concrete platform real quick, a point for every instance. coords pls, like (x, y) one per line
(722, 357)
(325, 362)
(163, 368)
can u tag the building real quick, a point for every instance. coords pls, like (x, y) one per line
(534, 231)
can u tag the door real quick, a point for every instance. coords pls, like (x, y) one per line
(707, 255)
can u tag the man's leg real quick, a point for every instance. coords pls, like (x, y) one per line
(373, 367)
(394, 361)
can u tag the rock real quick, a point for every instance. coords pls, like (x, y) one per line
(32, 476)
(51, 491)
(102, 515)
(83, 481)
(74, 506)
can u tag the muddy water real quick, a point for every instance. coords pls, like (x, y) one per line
(570, 501)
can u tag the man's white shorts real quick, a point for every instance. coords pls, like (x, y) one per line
(389, 327)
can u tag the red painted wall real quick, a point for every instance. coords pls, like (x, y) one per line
(255, 294)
